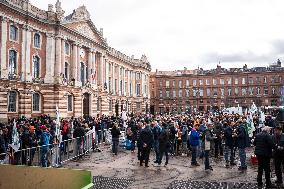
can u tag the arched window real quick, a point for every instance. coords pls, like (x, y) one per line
(13, 33)
(12, 62)
(36, 67)
(12, 101)
(37, 40)
(36, 102)
(66, 69)
(82, 73)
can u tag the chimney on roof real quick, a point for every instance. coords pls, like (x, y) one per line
(156, 70)
(278, 63)
(102, 31)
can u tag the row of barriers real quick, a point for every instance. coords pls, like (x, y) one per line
(55, 155)
(51, 155)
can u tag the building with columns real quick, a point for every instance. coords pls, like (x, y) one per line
(50, 60)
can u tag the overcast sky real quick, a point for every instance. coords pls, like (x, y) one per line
(189, 33)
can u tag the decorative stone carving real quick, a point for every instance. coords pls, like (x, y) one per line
(86, 30)
(81, 13)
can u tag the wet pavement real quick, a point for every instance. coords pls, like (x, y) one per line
(124, 171)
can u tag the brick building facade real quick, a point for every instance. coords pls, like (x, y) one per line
(190, 90)
(49, 60)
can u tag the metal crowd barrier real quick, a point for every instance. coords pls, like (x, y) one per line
(50, 155)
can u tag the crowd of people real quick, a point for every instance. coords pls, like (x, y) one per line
(202, 136)
(198, 136)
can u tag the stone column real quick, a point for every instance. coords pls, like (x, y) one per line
(90, 65)
(74, 62)
(50, 58)
(58, 56)
(119, 78)
(107, 74)
(3, 65)
(63, 57)
(128, 81)
(78, 66)
(101, 63)
(29, 62)
(94, 67)
(113, 80)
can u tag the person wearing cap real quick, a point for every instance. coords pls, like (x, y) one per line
(263, 150)
(44, 142)
(278, 139)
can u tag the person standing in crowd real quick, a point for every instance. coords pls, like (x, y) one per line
(242, 139)
(2, 145)
(33, 144)
(194, 143)
(218, 139)
(139, 143)
(164, 144)
(229, 145)
(79, 133)
(156, 132)
(44, 142)
(147, 140)
(115, 132)
(263, 150)
(208, 139)
(278, 139)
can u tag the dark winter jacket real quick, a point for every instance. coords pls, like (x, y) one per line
(263, 144)
(115, 132)
(164, 140)
(278, 141)
(229, 141)
(146, 137)
(242, 137)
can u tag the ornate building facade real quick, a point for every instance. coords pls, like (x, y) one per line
(49, 60)
(190, 90)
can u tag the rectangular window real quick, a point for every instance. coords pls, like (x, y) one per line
(207, 82)
(12, 105)
(229, 91)
(244, 91)
(161, 94)
(243, 81)
(264, 79)
(208, 92)
(110, 105)
(222, 82)
(138, 106)
(180, 84)
(258, 91)
(130, 89)
(250, 90)
(36, 100)
(222, 91)
(167, 84)
(229, 81)
(161, 84)
(180, 93)
(273, 90)
(250, 80)
(265, 90)
(82, 73)
(194, 82)
(174, 94)
(13, 33)
(115, 86)
(258, 79)
(215, 92)
(187, 83)
(200, 81)
(138, 90)
(168, 94)
(174, 83)
(214, 82)
(236, 91)
(67, 48)
(70, 103)
(187, 92)
(201, 93)
(236, 81)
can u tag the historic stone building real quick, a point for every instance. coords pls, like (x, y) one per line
(49, 60)
(190, 90)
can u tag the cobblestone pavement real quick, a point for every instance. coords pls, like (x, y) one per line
(125, 166)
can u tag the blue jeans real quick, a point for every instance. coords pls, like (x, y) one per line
(99, 136)
(193, 154)
(242, 154)
(206, 162)
(229, 151)
(156, 148)
(43, 156)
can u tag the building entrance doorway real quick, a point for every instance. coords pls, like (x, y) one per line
(86, 104)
